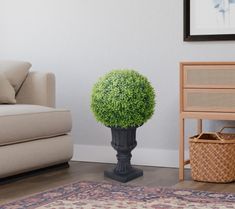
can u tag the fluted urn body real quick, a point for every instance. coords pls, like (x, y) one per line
(123, 141)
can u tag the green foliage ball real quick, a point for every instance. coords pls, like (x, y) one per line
(123, 98)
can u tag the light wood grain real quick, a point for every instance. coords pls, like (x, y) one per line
(181, 150)
(209, 76)
(183, 63)
(199, 112)
(224, 103)
(209, 115)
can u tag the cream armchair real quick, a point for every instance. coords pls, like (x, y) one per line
(33, 134)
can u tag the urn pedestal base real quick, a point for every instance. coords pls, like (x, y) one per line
(132, 174)
(123, 141)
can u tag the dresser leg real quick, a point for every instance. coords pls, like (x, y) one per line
(181, 150)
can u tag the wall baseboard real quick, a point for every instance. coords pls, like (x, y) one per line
(140, 156)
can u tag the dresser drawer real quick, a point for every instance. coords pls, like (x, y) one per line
(209, 76)
(209, 100)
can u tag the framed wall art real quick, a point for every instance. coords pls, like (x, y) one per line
(209, 20)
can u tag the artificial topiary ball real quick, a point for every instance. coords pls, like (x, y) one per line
(123, 98)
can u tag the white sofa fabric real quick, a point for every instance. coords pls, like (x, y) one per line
(34, 134)
(38, 89)
(7, 92)
(21, 123)
(22, 157)
(15, 72)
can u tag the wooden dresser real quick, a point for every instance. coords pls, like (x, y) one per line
(207, 91)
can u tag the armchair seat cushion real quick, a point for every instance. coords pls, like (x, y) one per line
(21, 123)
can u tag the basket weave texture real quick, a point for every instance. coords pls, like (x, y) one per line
(212, 157)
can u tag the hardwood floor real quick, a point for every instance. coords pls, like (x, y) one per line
(80, 171)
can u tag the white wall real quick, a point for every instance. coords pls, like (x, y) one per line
(80, 40)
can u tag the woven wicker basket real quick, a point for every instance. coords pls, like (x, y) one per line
(212, 157)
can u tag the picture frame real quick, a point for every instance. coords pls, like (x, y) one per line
(216, 31)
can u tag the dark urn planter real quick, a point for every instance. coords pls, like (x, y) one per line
(123, 141)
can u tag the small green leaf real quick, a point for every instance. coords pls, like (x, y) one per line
(123, 98)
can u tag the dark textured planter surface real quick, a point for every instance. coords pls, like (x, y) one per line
(123, 141)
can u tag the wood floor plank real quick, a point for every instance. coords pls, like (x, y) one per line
(83, 171)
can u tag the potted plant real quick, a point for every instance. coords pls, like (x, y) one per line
(123, 100)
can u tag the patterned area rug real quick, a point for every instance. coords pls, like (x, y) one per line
(91, 195)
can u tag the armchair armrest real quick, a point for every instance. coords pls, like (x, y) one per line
(39, 89)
